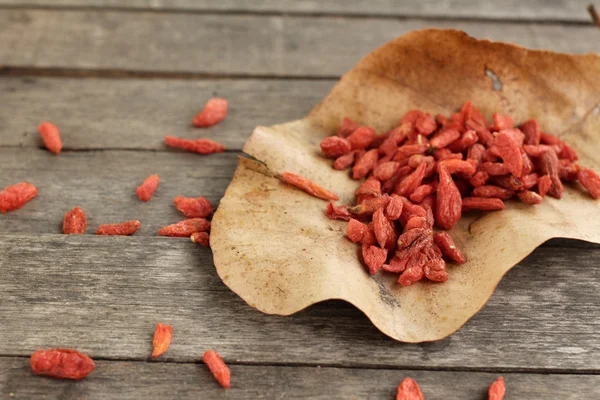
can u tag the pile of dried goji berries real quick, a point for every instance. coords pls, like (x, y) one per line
(427, 171)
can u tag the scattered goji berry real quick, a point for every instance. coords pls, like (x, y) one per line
(346, 127)
(162, 339)
(345, 161)
(509, 182)
(121, 229)
(16, 196)
(214, 112)
(74, 222)
(185, 228)
(539, 149)
(335, 146)
(217, 366)
(568, 171)
(361, 138)
(146, 190)
(365, 164)
(409, 390)
(337, 212)
(193, 207)
(493, 191)
(202, 238)
(591, 181)
(374, 257)
(396, 265)
(482, 203)
(309, 187)
(61, 363)
(201, 146)
(411, 275)
(50, 136)
(497, 390)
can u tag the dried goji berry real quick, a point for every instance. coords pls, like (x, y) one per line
(479, 179)
(337, 212)
(393, 210)
(408, 150)
(409, 236)
(425, 124)
(389, 185)
(411, 182)
(411, 275)
(361, 138)
(162, 339)
(444, 138)
(201, 146)
(121, 229)
(345, 161)
(463, 143)
(346, 127)
(416, 222)
(215, 111)
(590, 180)
(146, 190)
(497, 390)
(409, 390)
(568, 153)
(529, 197)
(397, 136)
(532, 132)
(502, 122)
(335, 146)
(464, 167)
(509, 151)
(74, 222)
(527, 164)
(493, 191)
(411, 117)
(356, 230)
(202, 238)
(421, 192)
(435, 269)
(446, 244)
(446, 154)
(185, 228)
(549, 166)
(516, 135)
(568, 171)
(365, 164)
(476, 153)
(529, 181)
(61, 363)
(509, 182)
(16, 196)
(538, 150)
(544, 183)
(396, 265)
(370, 187)
(410, 210)
(193, 207)
(217, 366)
(449, 202)
(374, 257)
(494, 169)
(481, 203)
(384, 230)
(369, 206)
(309, 187)
(51, 137)
(386, 170)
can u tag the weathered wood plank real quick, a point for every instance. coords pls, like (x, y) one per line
(562, 10)
(138, 113)
(234, 44)
(104, 295)
(134, 380)
(103, 183)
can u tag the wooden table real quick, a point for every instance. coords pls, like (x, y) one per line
(116, 76)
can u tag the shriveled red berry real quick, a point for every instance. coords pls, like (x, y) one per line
(146, 190)
(361, 138)
(446, 244)
(337, 212)
(309, 187)
(51, 137)
(409, 390)
(335, 146)
(202, 238)
(591, 181)
(346, 127)
(217, 366)
(61, 363)
(215, 111)
(374, 257)
(497, 390)
(122, 229)
(200, 146)
(185, 228)
(193, 207)
(16, 196)
(481, 203)
(74, 222)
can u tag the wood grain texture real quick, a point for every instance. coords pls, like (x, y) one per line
(563, 10)
(234, 44)
(134, 380)
(104, 295)
(103, 183)
(138, 113)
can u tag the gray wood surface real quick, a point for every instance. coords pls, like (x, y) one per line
(561, 10)
(234, 44)
(104, 295)
(138, 113)
(134, 380)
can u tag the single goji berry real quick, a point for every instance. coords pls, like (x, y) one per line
(16, 196)
(386, 170)
(51, 137)
(529, 181)
(193, 207)
(61, 363)
(185, 228)
(464, 167)
(411, 275)
(74, 222)
(411, 117)
(482, 203)
(410, 210)
(509, 151)
(446, 244)
(544, 183)
(337, 212)
(497, 390)
(374, 257)
(393, 210)
(396, 265)
(425, 124)
(549, 166)
(538, 150)
(527, 164)
(493, 191)
(389, 185)
(532, 132)
(345, 161)
(408, 150)
(396, 137)
(361, 138)
(309, 187)
(409, 390)
(121, 229)
(444, 138)
(217, 366)
(346, 127)
(446, 154)
(369, 206)
(146, 190)
(529, 197)
(479, 179)
(356, 230)
(384, 230)
(162, 339)
(335, 146)
(502, 122)
(435, 269)
(365, 164)
(517, 136)
(449, 201)
(509, 182)
(567, 171)
(411, 182)
(494, 169)
(215, 111)
(416, 222)
(568, 153)
(370, 187)
(476, 153)
(201, 146)
(409, 236)
(202, 238)
(590, 180)
(421, 192)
